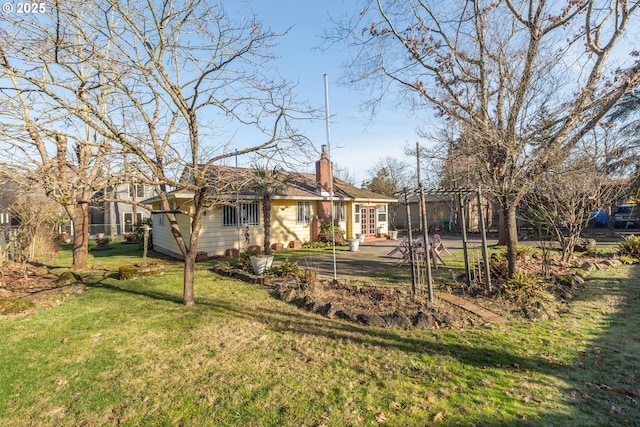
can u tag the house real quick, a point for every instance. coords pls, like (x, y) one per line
(235, 220)
(7, 197)
(120, 217)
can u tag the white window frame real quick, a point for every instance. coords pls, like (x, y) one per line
(340, 211)
(356, 213)
(135, 221)
(303, 213)
(382, 213)
(248, 212)
(140, 191)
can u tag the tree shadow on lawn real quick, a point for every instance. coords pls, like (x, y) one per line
(603, 382)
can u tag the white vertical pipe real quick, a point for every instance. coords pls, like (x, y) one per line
(333, 235)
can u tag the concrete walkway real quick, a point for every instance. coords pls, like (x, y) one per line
(371, 256)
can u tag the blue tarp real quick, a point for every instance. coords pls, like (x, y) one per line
(599, 218)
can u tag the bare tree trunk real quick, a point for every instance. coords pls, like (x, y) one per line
(190, 253)
(266, 213)
(502, 228)
(189, 277)
(512, 237)
(79, 214)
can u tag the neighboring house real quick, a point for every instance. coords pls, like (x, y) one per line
(119, 217)
(7, 197)
(235, 221)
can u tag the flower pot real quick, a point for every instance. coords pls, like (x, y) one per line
(261, 264)
(393, 234)
(354, 244)
(361, 237)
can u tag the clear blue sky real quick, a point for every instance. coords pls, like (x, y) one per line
(356, 141)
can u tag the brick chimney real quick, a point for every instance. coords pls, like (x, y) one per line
(324, 184)
(323, 173)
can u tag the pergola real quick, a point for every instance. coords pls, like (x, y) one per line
(461, 194)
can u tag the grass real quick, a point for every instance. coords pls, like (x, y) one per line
(127, 352)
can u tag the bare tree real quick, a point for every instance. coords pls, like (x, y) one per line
(175, 80)
(388, 176)
(562, 201)
(39, 218)
(41, 142)
(523, 81)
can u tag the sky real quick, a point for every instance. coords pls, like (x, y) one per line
(357, 141)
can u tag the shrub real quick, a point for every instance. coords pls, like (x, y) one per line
(630, 246)
(522, 287)
(523, 251)
(498, 266)
(316, 245)
(288, 269)
(325, 233)
(307, 276)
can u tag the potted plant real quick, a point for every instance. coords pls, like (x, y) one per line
(354, 244)
(261, 263)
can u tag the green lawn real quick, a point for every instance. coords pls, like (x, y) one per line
(129, 353)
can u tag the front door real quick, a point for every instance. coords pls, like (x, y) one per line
(368, 220)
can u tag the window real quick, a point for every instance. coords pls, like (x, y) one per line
(128, 221)
(340, 211)
(304, 212)
(161, 217)
(139, 190)
(248, 214)
(382, 213)
(356, 211)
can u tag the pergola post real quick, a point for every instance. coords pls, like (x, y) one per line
(465, 243)
(485, 251)
(427, 245)
(410, 242)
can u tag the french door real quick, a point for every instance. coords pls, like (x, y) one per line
(368, 220)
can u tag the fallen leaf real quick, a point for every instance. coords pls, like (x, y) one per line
(438, 417)
(381, 418)
(64, 340)
(396, 405)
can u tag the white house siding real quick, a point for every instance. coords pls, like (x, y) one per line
(215, 239)
(163, 240)
(284, 226)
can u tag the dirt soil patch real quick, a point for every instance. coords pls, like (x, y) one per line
(33, 285)
(376, 306)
